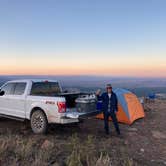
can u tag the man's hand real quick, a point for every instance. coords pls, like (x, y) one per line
(98, 92)
(116, 111)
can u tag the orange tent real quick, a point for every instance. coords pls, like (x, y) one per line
(129, 107)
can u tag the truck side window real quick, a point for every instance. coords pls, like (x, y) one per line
(40, 89)
(45, 89)
(8, 88)
(19, 88)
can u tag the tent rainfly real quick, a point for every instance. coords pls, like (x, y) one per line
(129, 107)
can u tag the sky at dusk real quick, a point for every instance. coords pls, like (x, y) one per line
(83, 37)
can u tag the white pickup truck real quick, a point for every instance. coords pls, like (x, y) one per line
(40, 101)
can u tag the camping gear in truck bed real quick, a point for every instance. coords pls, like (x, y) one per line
(86, 103)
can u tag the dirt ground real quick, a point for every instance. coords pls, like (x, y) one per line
(143, 143)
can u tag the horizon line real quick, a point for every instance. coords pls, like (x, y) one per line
(85, 75)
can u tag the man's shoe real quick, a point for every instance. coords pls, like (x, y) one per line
(118, 133)
(107, 132)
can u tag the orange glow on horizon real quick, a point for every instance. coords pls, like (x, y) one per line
(89, 65)
(125, 71)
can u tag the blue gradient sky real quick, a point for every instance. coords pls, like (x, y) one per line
(118, 38)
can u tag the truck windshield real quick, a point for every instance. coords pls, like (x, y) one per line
(45, 89)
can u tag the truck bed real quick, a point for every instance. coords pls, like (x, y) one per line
(71, 98)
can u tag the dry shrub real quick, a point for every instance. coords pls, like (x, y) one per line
(74, 158)
(103, 160)
(24, 150)
(75, 151)
(16, 150)
(7, 147)
(85, 153)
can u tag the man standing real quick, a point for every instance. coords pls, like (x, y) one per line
(109, 107)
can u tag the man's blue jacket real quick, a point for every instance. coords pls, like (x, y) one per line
(105, 100)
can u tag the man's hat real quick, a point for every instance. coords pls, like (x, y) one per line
(109, 86)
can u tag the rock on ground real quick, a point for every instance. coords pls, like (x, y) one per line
(47, 144)
(158, 135)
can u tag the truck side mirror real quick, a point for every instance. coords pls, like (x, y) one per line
(2, 93)
(65, 91)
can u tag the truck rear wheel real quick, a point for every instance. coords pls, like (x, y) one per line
(39, 123)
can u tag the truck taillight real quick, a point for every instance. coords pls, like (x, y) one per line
(61, 107)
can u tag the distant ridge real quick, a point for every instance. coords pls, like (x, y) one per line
(139, 86)
(96, 81)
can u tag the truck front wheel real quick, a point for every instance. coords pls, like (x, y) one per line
(39, 123)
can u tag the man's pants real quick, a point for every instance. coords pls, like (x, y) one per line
(114, 119)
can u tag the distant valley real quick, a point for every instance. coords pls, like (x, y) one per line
(139, 86)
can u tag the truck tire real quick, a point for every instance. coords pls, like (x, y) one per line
(39, 123)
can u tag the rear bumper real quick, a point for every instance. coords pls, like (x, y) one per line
(78, 115)
(65, 120)
(62, 120)
(73, 117)
(89, 114)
